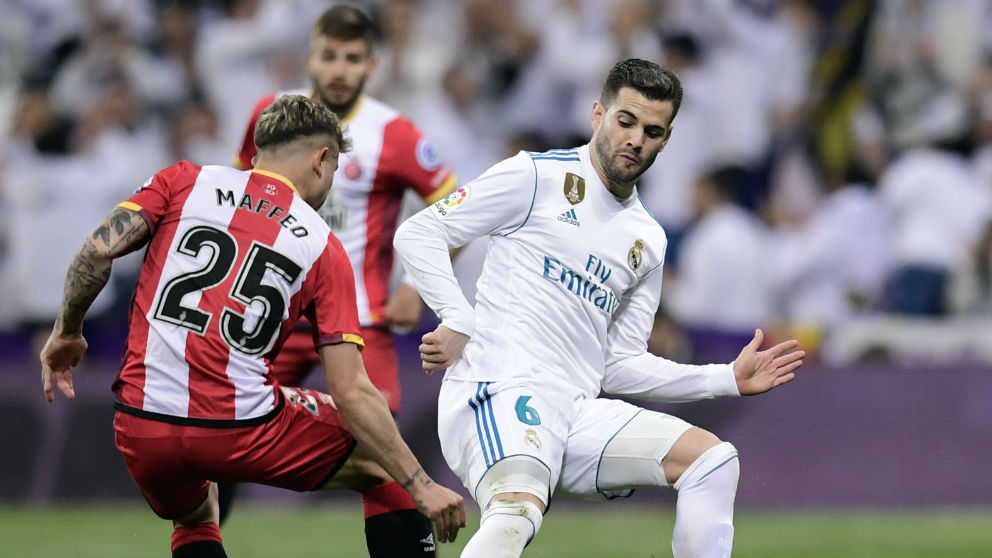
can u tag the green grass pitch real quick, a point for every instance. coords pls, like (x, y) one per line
(336, 529)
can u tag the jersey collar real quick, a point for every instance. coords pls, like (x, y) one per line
(354, 110)
(278, 177)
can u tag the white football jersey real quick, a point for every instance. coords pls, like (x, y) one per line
(570, 285)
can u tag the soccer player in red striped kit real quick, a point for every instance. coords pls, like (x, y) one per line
(389, 156)
(234, 259)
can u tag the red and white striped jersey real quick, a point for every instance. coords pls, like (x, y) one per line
(235, 258)
(389, 155)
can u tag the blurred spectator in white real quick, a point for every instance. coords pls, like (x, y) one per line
(931, 35)
(800, 37)
(453, 120)
(52, 190)
(500, 39)
(832, 265)
(116, 124)
(918, 49)
(34, 32)
(253, 47)
(610, 31)
(938, 208)
(720, 292)
(412, 57)
(34, 36)
(176, 39)
(573, 68)
(982, 99)
(667, 187)
(110, 50)
(758, 73)
(195, 136)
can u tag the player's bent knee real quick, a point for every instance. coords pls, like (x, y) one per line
(516, 473)
(686, 450)
(721, 457)
(515, 508)
(634, 456)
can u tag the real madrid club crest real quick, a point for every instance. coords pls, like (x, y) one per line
(575, 188)
(530, 436)
(634, 256)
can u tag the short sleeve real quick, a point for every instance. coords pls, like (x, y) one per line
(414, 162)
(151, 200)
(334, 313)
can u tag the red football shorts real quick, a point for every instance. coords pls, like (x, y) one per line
(300, 448)
(297, 358)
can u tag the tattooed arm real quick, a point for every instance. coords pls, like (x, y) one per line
(122, 232)
(366, 413)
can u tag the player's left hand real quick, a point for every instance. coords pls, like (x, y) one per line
(58, 357)
(441, 348)
(759, 371)
(403, 308)
(442, 506)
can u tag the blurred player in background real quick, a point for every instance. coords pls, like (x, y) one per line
(565, 305)
(234, 259)
(388, 157)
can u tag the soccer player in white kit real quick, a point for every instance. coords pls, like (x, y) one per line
(565, 304)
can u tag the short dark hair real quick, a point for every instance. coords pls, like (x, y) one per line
(345, 23)
(295, 117)
(649, 79)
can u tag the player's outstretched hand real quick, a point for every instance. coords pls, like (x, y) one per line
(443, 506)
(759, 371)
(441, 348)
(59, 356)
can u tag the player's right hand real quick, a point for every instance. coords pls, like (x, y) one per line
(441, 348)
(443, 506)
(759, 371)
(58, 357)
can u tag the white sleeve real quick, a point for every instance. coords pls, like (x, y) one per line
(498, 202)
(632, 371)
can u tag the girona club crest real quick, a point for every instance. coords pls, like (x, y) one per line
(353, 170)
(575, 188)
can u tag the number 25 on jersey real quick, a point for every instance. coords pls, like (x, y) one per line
(241, 332)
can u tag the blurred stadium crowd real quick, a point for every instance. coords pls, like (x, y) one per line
(829, 174)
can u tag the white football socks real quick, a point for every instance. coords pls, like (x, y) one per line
(504, 529)
(704, 512)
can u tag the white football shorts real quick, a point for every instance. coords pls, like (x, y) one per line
(482, 423)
